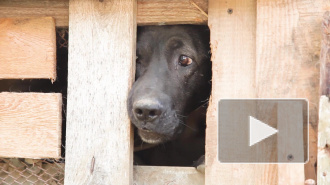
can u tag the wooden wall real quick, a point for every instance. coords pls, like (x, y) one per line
(260, 49)
(264, 49)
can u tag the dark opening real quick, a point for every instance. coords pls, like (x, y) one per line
(188, 148)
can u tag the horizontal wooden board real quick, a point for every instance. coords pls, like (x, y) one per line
(59, 9)
(157, 175)
(30, 125)
(148, 11)
(171, 12)
(27, 48)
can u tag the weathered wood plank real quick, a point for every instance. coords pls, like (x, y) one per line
(27, 48)
(172, 12)
(233, 45)
(288, 46)
(325, 56)
(286, 66)
(149, 11)
(323, 156)
(157, 175)
(99, 142)
(30, 125)
(59, 9)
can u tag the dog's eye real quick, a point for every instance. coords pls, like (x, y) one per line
(185, 61)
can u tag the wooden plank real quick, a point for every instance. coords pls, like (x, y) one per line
(323, 156)
(157, 175)
(30, 125)
(27, 48)
(99, 142)
(149, 11)
(325, 56)
(288, 46)
(172, 12)
(233, 36)
(59, 9)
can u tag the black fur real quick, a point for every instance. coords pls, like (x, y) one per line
(166, 90)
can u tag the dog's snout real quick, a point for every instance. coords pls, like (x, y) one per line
(147, 110)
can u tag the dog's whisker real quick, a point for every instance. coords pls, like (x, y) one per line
(181, 116)
(181, 122)
(206, 100)
(142, 143)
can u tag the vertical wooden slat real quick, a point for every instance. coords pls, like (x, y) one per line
(102, 50)
(288, 46)
(233, 45)
(323, 156)
(282, 64)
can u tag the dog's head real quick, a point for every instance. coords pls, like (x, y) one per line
(173, 73)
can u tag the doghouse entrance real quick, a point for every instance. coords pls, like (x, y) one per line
(189, 146)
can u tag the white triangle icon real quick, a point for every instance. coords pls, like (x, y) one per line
(259, 131)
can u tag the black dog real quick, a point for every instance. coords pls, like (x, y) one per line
(173, 73)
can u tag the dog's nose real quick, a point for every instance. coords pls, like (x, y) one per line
(147, 110)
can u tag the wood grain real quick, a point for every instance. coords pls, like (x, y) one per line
(27, 48)
(149, 11)
(59, 9)
(325, 56)
(172, 12)
(288, 47)
(157, 175)
(323, 156)
(99, 142)
(30, 125)
(233, 45)
(282, 64)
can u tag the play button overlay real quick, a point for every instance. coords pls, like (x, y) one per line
(263, 131)
(259, 131)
